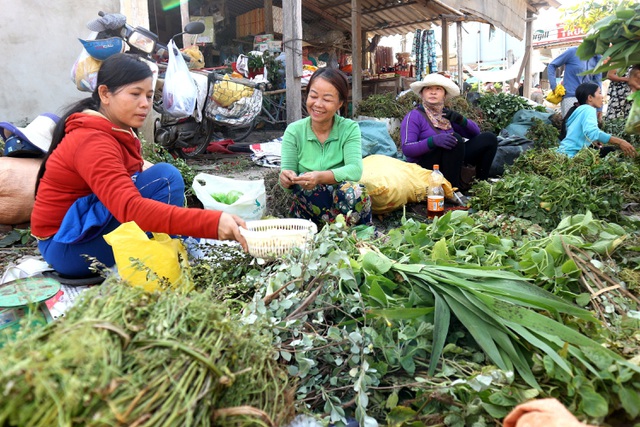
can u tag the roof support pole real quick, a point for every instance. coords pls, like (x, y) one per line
(459, 54)
(292, 36)
(528, 48)
(445, 45)
(268, 16)
(184, 19)
(356, 51)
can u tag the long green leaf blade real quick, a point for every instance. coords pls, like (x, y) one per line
(441, 323)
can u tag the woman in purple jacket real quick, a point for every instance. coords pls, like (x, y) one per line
(433, 135)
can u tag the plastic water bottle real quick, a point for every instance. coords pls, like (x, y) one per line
(435, 194)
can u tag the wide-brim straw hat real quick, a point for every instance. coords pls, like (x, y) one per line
(436, 79)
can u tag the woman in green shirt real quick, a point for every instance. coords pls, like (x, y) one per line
(322, 156)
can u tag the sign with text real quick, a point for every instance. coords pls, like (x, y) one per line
(557, 36)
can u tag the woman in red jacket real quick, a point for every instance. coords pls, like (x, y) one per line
(92, 179)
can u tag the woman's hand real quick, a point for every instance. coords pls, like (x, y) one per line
(307, 180)
(453, 116)
(287, 178)
(228, 229)
(627, 149)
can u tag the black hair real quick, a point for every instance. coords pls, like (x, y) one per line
(583, 91)
(338, 80)
(115, 72)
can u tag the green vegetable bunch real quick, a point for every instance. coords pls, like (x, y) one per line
(616, 38)
(544, 135)
(228, 198)
(498, 110)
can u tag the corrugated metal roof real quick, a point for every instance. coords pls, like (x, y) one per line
(390, 17)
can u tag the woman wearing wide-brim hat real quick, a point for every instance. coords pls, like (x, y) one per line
(434, 135)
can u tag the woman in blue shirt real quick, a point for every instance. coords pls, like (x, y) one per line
(580, 125)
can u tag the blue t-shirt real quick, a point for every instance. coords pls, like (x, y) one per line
(582, 131)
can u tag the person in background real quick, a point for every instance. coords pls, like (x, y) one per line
(572, 78)
(580, 125)
(92, 178)
(536, 95)
(322, 156)
(306, 59)
(619, 88)
(431, 134)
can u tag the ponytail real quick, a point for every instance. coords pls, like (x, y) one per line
(563, 131)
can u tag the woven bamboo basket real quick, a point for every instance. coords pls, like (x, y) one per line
(271, 238)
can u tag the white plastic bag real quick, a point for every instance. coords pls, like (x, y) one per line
(251, 204)
(179, 92)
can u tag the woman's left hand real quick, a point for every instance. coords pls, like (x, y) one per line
(307, 180)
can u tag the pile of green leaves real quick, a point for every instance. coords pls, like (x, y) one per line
(462, 106)
(381, 106)
(498, 110)
(155, 154)
(616, 37)
(543, 186)
(123, 357)
(227, 198)
(430, 323)
(543, 135)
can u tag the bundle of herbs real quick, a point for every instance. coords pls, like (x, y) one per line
(428, 324)
(124, 357)
(543, 186)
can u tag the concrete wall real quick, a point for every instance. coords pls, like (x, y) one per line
(39, 44)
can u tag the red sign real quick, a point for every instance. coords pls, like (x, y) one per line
(557, 36)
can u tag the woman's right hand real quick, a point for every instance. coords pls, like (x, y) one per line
(627, 149)
(444, 140)
(287, 178)
(228, 229)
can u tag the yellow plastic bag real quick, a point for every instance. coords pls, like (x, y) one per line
(150, 264)
(556, 95)
(392, 183)
(225, 92)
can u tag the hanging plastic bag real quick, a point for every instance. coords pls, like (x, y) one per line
(632, 126)
(179, 92)
(250, 205)
(84, 72)
(151, 264)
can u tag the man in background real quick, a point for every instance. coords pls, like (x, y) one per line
(572, 78)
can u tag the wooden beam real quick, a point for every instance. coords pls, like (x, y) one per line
(528, 49)
(432, 4)
(268, 16)
(313, 6)
(292, 44)
(459, 54)
(445, 45)
(356, 52)
(380, 8)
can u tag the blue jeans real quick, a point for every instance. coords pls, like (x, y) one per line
(161, 182)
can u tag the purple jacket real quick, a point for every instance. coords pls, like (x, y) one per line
(415, 129)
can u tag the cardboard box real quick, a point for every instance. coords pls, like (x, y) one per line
(252, 22)
(261, 47)
(262, 38)
(275, 46)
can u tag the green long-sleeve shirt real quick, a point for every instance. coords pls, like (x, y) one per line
(341, 153)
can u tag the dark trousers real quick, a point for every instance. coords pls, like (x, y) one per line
(479, 151)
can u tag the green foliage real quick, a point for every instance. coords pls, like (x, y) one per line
(585, 14)
(616, 37)
(498, 110)
(16, 236)
(462, 106)
(381, 106)
(543, 186)
(544, 135)
(156, 154)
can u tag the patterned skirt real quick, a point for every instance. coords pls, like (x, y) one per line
(325, 202)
